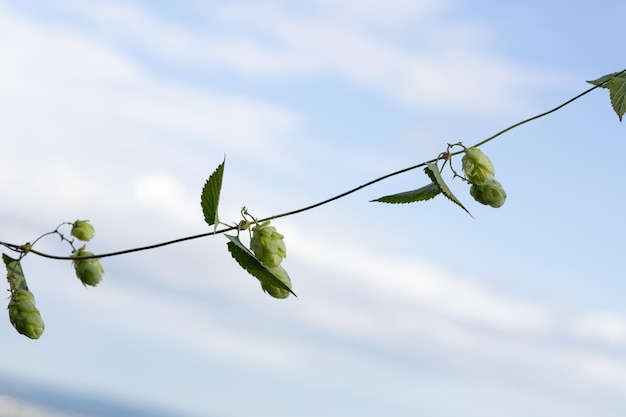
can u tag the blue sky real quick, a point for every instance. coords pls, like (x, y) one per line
(117, 112)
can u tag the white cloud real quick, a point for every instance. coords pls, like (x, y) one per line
(404, 281)
(449, 72)
(601, 327)
(401, 305)
(82, 123)
(383, 13)
(162, 192)
(590, 368)
(180, 322)
(87, 91)
(452, 68)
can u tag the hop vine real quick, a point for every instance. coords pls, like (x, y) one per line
(23, 312)
(263, 256)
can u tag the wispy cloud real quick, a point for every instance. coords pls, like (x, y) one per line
(91, 121)
(604, 327)
(81, 88)
(403, 309)
(453, 67)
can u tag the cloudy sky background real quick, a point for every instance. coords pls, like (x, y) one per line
(117, 112)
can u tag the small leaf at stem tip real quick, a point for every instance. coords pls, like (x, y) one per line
(421, 194)
(433, 173)
(246, 259)
(210, 198)
(616, 84)
(606, 78)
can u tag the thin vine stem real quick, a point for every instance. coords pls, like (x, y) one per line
(21, 248)
(530, 119)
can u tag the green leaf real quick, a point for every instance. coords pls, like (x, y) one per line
(433, 173)
(617, 93)
(210, 198)
(604, 79)
(15, 275)
(246, 259)
(421, 194)
(616, 83)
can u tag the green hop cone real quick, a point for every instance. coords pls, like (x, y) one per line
(268, 245)
(274, 291)
(89, 271)
(24, 315)
(490, 194)
(82, 230)
(477, 166)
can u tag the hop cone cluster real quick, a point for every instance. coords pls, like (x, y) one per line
(477, 166)
(89, 271)
(268, 245)
(273, 290)
(479, 171)
(490, 194)
(269, 248)
(23, 314)
(83, 230)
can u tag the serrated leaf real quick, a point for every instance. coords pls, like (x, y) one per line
(605, 78)
(433, 173)
(421, 194)
(617, 93)
(246, 259)
(210, 198)
(616, 83)
(15, 275)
